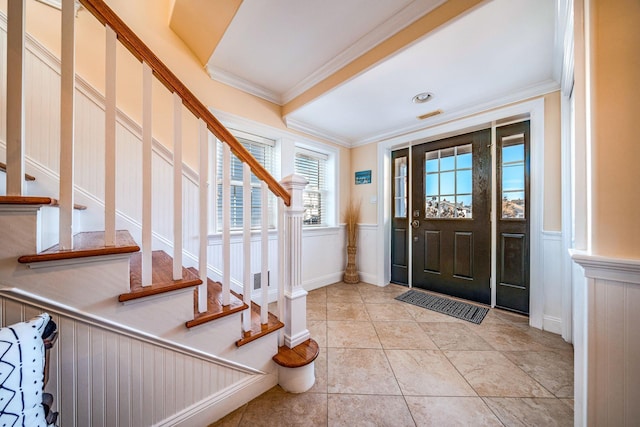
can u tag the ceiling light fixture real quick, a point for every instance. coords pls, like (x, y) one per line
(423, 97)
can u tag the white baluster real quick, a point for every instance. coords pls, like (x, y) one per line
(264, 253)
(282, 264)
(147, 147)
(246, 242)
(204, 221)
(226, 224)
(67, 119)
(295, 321)
(16, 12)
(177, 187)
(110, 139)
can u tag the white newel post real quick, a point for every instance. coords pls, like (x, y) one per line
(295, 297)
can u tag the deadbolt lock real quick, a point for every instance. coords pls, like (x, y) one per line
(415, 223)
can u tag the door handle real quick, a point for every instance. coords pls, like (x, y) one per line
(415, 223)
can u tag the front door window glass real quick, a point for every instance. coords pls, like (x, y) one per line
(449, 183)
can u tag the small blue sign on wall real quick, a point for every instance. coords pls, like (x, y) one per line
(363, 177)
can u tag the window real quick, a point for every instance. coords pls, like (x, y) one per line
(400, 187)
(448, 183)
(313, 166)
(513, 194)
(263, 150)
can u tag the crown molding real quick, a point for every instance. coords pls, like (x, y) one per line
(317, 132)
(403, 18)
(230, 79)
(539, 89)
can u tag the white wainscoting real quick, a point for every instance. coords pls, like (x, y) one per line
(552, 281)
(323, 256)
(607, 368)
(103, 376)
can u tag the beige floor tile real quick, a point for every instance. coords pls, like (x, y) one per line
(316, 311)
(368, 410)
(508, 337)
(360, 371)
(553, 370)
(549, 341)
(347, 333)
(318, 331)
(491, 374)
(403, 336)
(279, 408)
(454, 336)
(317, 296)
(388, 312)
(531, 412)
(569, 402)
(451, 412)
(320, 370)
(427, 373)
(347, 295)
(509, 317)
(346, 311)
(231, 420)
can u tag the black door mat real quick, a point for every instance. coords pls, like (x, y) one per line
(461, 310)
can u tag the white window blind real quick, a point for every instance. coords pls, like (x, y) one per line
(313, 166)
(263, 150)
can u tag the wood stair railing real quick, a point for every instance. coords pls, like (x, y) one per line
(143, 53)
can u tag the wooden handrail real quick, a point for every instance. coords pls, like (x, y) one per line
(143, 53)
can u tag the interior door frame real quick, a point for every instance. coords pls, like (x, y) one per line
(532, 110)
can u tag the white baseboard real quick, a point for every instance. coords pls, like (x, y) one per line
(552, 324)
(319, 282)
(220, 404)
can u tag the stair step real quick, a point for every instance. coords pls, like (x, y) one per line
(161, 277)
(56, 204)
(3, 168)
(24, 200)
(257, 329)
(87, 244)
(215, 309)
(298, 356)
(35, 200)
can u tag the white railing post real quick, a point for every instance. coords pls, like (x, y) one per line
(67, 120)
(203, 179)
(295, 297)
(264, 253)
(16, 12)
(246, 245)
(110, 139)
(282, 264)
(147, 172)
(177, 187)
(226, 224)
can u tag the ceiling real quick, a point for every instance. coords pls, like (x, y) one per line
(347, 70)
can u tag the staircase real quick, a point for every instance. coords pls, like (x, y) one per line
(152, 331)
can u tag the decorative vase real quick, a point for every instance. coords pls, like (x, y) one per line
(351, 273)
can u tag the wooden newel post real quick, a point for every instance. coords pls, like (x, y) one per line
(295, 297)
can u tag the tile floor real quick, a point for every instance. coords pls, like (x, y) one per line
(387, 363)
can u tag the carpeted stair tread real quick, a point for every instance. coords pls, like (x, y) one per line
(87, 244)
(215, 309)
(27, 177)
(161, 277)
(298, 356)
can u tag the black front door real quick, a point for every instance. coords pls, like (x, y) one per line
(450, 217)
